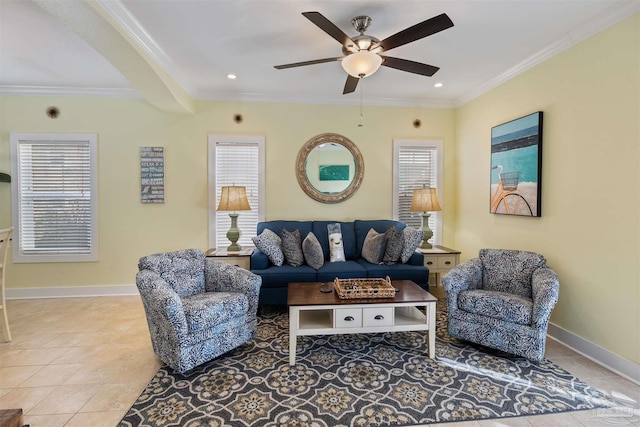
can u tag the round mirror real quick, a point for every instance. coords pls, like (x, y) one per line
(329, 168)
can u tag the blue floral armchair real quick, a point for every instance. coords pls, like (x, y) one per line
(502, 300)
(197, 308)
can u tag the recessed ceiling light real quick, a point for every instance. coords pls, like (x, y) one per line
(439, 84)
(231, 76)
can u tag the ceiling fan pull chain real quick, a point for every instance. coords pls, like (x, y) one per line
(361, 91)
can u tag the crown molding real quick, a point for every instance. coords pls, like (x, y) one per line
(611, 16)
(327, 99)
(218, 96)
(68, 91)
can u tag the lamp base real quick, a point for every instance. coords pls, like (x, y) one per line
(233, 234)
(425, 245)
(428, 234)
(234, 247)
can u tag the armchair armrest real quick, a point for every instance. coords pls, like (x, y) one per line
(464, 276)
(545, 289)
(417, 258)
(259, 260)
(162, 303)
(222, 277)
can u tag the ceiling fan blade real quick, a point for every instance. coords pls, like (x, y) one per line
(301, 64)
(416, 32)
(350, 85)
(328, 27)
(409, 66)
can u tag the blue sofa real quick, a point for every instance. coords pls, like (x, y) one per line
(275, 279)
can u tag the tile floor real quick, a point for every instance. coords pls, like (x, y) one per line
(84, 361)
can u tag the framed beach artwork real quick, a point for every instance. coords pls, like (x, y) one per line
(516, 162)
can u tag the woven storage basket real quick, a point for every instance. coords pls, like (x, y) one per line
(364, 288)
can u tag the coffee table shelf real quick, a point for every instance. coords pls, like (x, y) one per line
(315, 319)
(314, 313)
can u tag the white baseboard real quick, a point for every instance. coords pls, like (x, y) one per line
(71, 292)
(618, 364)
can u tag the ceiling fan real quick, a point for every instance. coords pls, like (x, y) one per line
(362, 54)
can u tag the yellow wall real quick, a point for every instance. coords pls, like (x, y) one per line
(129, 229)
(590, 225)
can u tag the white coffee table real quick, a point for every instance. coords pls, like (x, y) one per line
(312, 312)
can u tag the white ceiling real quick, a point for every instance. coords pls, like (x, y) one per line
(70, 47)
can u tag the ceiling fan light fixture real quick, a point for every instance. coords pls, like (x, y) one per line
(361, 64)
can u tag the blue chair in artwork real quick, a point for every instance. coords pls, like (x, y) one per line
(503, 300)
(196, 308)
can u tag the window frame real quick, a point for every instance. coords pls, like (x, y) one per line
(213, 140)
(15, 140)
(438, 146)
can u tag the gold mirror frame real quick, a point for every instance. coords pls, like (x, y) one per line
(301, 172)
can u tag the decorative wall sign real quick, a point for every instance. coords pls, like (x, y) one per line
(152, 174)
(516, 163)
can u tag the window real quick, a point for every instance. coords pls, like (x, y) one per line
(235, 160)
(54, 196)
(417, 163)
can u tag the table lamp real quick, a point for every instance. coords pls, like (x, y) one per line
(425, 200)
(234, 198)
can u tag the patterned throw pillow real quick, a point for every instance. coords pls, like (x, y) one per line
(395, 242)
(373, 247)
(312, 251)
(292, 247)
(412, 238)
(271, 245)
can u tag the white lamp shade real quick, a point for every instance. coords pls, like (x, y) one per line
(233, 198)
(425, 200)
(362, 63)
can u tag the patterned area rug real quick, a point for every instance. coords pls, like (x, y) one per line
(357, 380)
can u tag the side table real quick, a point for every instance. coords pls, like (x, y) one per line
(440, 260)
(241, 258)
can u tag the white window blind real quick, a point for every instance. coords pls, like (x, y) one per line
(54, 197)
(417, 164)
(236, 161)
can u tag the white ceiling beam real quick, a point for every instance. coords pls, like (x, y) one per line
(97, 26)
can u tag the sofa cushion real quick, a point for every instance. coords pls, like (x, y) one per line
(280, 276)
(395, 243)
(270, 244)
(312, 251)
(292, 247)
(498, 305)
(508, 270)
(321, 231)
(411, 238)
(279, 225)
(416, 273)
(203, 311)
(373, 247)
(344, 270)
